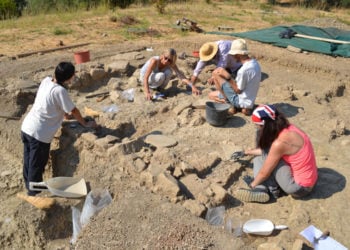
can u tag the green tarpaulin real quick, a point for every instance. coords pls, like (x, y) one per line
(272, 36)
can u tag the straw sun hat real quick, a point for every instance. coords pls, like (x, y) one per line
(239, 47)
(208, 51)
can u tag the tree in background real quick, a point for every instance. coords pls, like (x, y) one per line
(8, 9)
(160, 5)
(20, 5)
(15, 8)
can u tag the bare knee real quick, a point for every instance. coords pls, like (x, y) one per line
(218, 71)
(216, 74)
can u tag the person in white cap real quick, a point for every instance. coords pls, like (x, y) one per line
(241, 90)
(217, 53)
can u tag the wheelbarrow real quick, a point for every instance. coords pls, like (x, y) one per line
(261, 227)
(69, 187)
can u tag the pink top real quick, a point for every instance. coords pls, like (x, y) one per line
(302, 163)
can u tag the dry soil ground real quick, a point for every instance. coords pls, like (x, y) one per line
(312, 89)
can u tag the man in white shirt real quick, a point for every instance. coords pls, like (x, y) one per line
(241, 92)
(52, 104)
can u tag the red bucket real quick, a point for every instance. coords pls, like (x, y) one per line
(195, 53)
(82, 56)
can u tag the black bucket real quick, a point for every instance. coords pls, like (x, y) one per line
(216, 113)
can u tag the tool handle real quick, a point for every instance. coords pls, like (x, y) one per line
(10, 117)
(324, 235)
(38, 186)
(322, 39)
(281, 227)
(97, 95)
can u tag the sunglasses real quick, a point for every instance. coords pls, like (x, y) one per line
(168, 59)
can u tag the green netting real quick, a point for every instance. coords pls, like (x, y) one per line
(271, 35)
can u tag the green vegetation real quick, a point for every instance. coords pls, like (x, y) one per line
(266, 7)
(160, 5)
(58, 31)
(141, 21)
(7, 9)
(344, 21)
(16, 8)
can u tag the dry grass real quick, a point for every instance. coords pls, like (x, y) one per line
(101, 26)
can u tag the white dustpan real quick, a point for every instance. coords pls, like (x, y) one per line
(261, 227)
(68, 187)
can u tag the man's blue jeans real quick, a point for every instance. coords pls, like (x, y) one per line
(35, 158)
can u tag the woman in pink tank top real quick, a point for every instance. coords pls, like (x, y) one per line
(285, 159)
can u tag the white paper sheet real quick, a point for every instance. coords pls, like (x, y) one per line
(323, 244)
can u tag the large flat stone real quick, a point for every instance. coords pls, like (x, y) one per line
(160, 141)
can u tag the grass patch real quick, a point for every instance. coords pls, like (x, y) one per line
(59, 32)
(266, 7)
(235, 19)
(292, 19)
(89, 25)
(344, 21)
(271, 19)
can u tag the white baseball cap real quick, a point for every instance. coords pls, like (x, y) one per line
(239, 47)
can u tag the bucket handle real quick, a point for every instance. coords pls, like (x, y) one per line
(38, 186)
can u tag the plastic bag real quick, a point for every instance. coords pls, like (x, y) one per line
(94, 202)
(234, 226)
(110, 109)
(76, 224)
(129, 94)
(215, 216)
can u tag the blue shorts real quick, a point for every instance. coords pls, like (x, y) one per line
(231, 95)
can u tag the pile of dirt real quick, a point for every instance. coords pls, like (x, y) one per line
(148, 211)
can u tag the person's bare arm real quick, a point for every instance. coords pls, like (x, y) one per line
(183, 79)
(199, 67)
(274, 156)
(234, 85)
(151, 66)
(77, 115)
(193, 79)
(255, 151)
(222, 73)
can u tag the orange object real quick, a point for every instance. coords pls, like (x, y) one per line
(195, 53)
(38, 202)
(81, 56)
